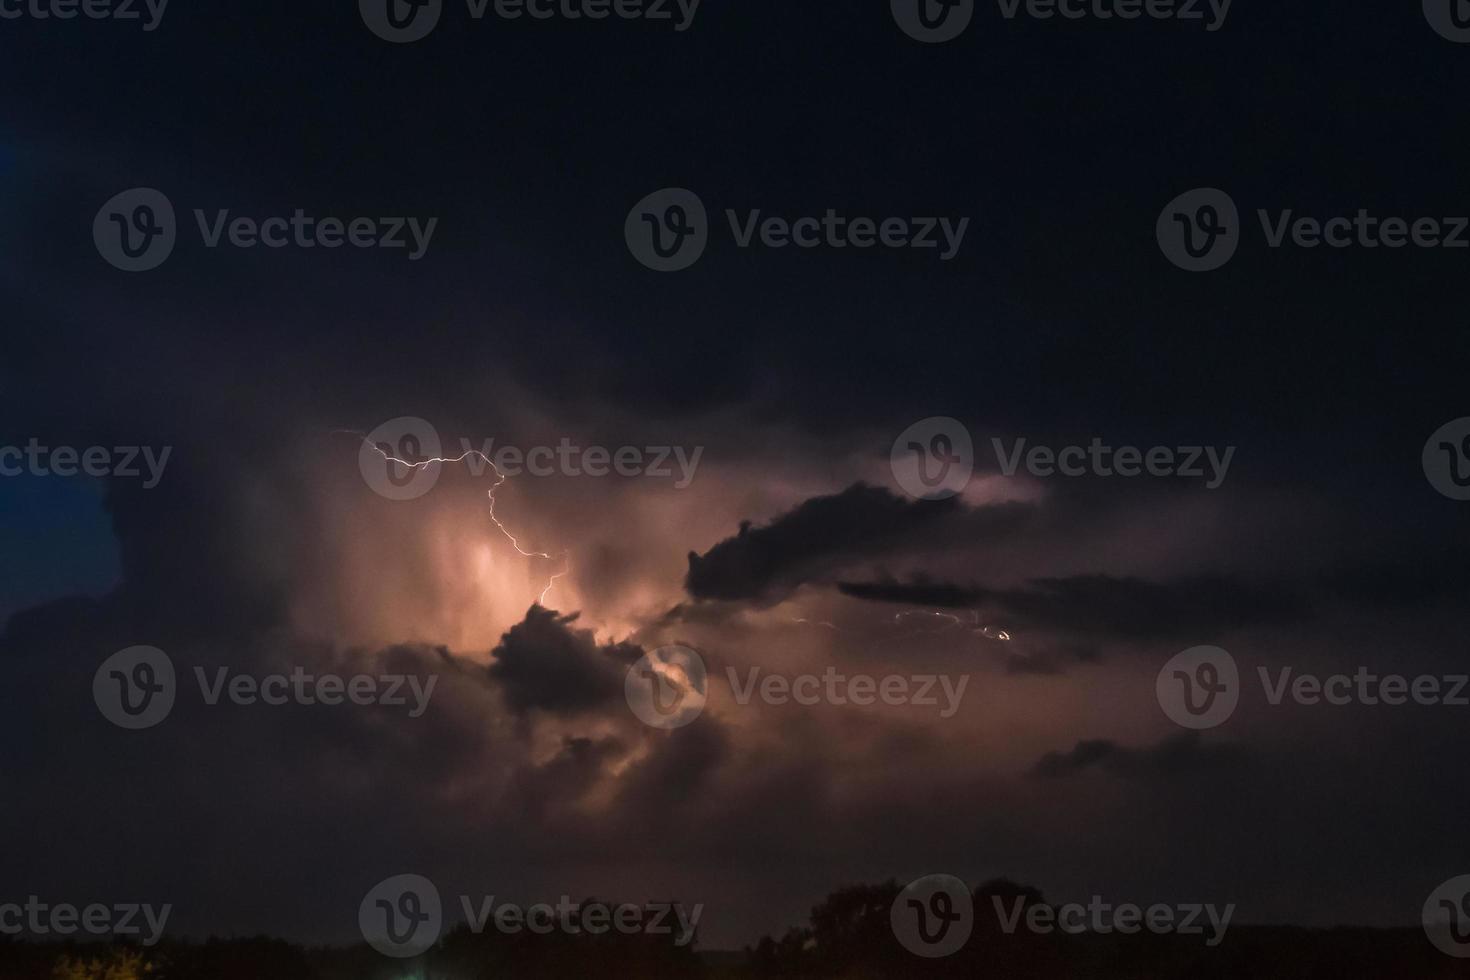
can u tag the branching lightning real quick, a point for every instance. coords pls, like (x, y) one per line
(500, 479)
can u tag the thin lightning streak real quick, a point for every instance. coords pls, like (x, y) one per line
(565, 556)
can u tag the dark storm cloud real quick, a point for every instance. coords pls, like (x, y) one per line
(762, 563)
(1108, 606)
(544, 663)
(922, 591)
(1177, 755)
(1134, 608)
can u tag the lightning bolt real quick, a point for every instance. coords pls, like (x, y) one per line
(500, 479)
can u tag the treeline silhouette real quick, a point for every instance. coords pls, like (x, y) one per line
(848, 937)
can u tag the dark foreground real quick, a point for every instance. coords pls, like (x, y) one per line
(849, 937)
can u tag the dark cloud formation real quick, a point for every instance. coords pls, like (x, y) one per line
(922, 591)
(761, 562)
(1106, 606)
(546, 664)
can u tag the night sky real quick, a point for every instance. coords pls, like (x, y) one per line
(527, 320)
